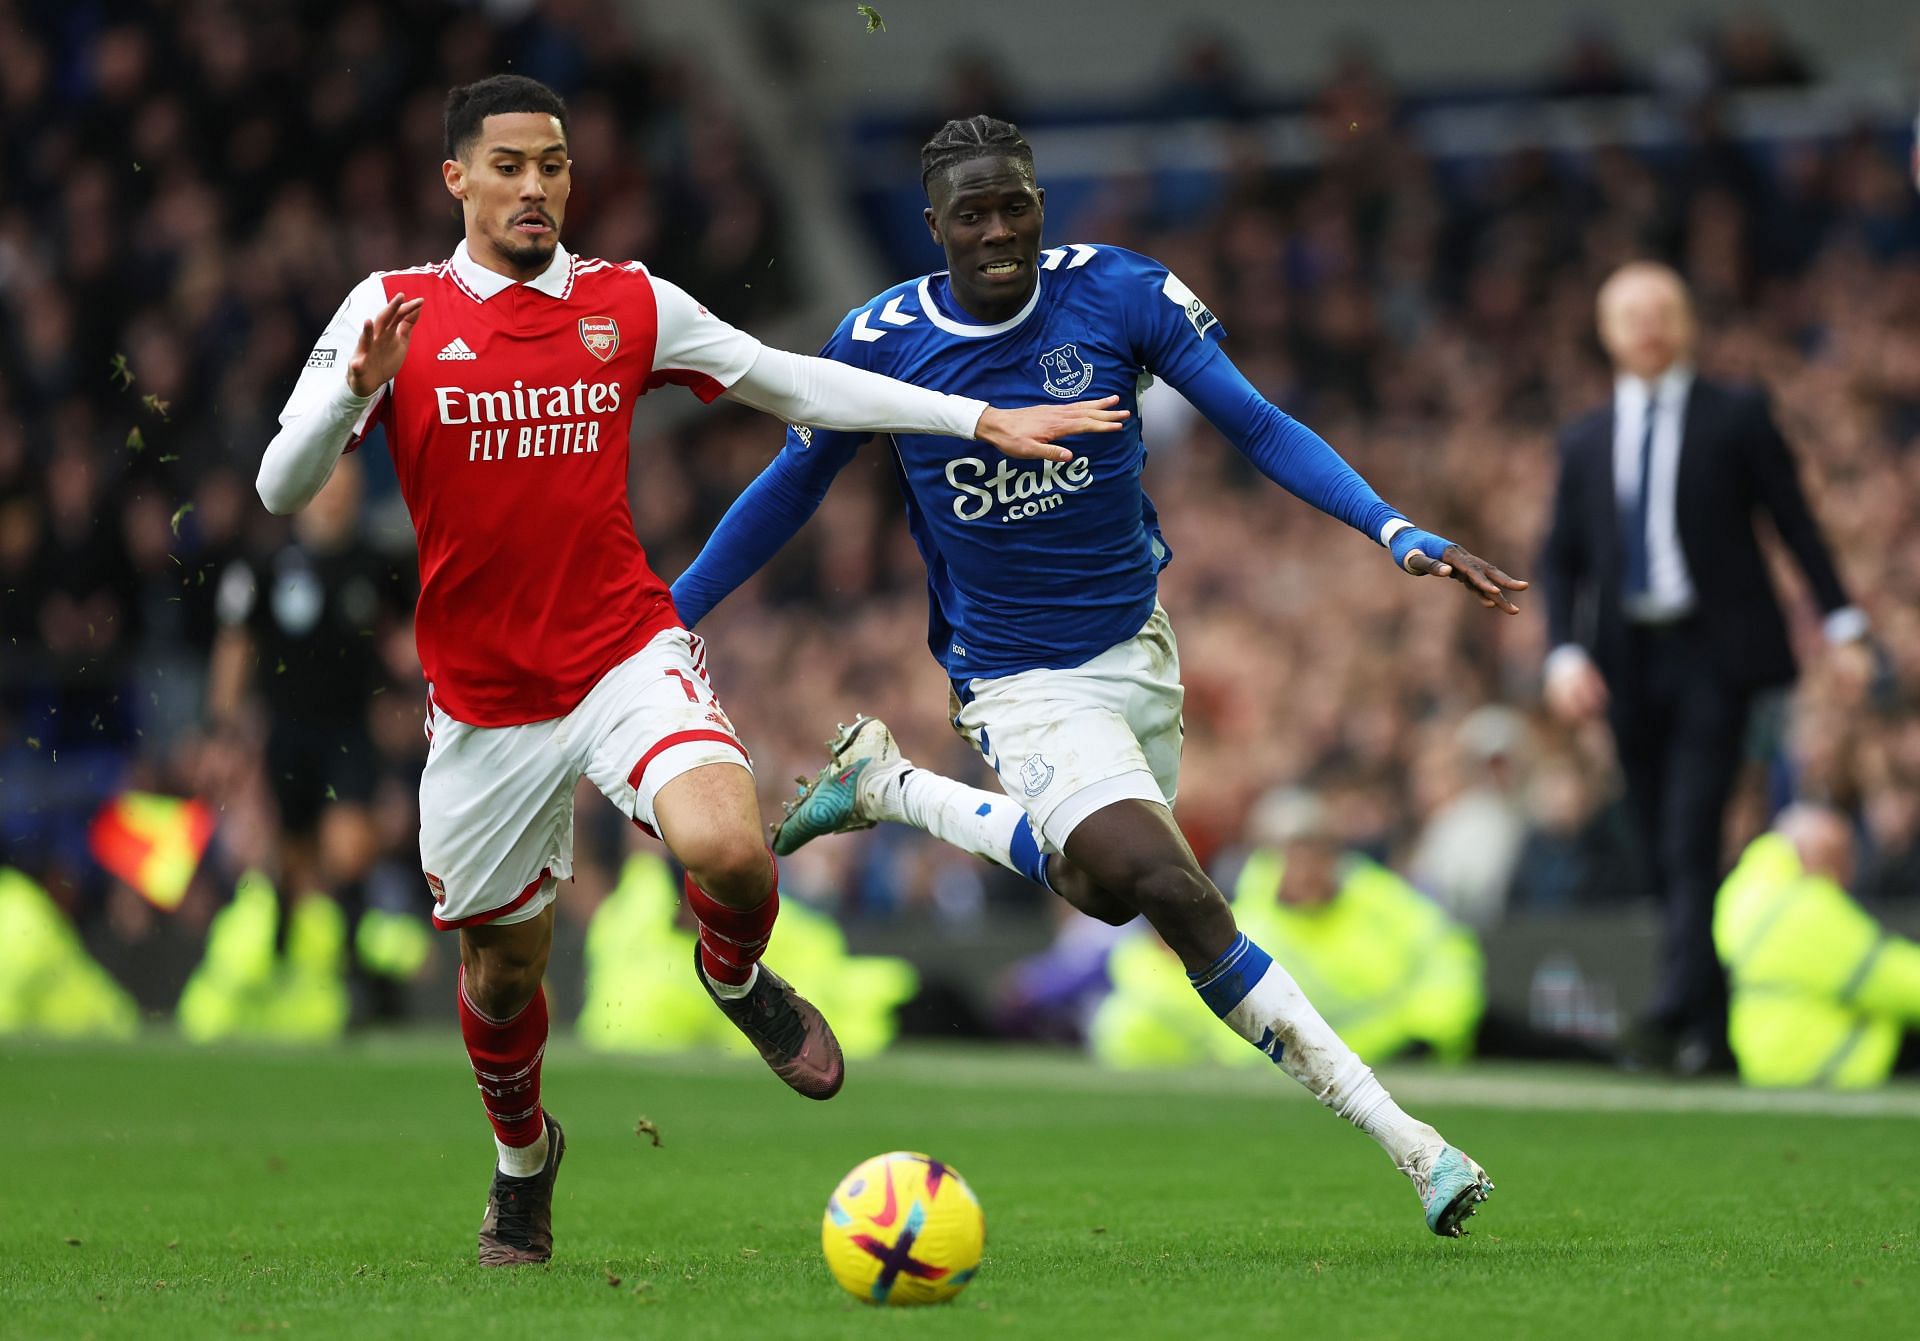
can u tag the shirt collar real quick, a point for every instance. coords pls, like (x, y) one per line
(484, 283)
(953, 326)
(1671, 387)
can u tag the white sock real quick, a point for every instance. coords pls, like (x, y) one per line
(987, 824)
(523, 1161)
(1263, 1004)
(727, 991)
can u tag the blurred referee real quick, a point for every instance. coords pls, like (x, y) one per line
(1660, 613)
(303, 625)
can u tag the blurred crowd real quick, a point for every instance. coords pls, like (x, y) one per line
(200, 183)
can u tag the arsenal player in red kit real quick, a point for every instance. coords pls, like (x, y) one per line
(506, 378)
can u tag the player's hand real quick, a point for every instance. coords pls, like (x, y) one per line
(1574, 690)
(1032, 433)
(383, 345)
(1482, 578)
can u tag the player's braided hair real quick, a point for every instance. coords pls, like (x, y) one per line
(975, 137)
(469, 105)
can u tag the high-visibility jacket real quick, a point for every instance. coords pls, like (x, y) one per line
(49, 984)
(244, 988)
(642, 995)
(1383, 964)
(1821, 993)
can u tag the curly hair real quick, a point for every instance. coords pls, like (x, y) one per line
(469, 105)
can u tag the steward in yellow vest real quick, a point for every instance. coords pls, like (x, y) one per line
(244, 988)
(1821, 993)
(1383, 963)
(641, 996)
(49, 984)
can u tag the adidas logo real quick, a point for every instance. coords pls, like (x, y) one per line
(456, 351)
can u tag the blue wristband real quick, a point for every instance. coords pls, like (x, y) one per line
(1410, 538)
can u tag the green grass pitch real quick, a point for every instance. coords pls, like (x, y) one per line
(163, 1192)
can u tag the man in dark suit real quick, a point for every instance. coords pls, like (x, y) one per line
(1661, 614)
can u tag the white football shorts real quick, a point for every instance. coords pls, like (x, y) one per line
(1069, 742)
(496, 803)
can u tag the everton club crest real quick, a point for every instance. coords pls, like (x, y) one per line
(601, 336)
(1036, 775)
(1066, 374)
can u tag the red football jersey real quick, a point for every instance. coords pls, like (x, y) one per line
(508, 424)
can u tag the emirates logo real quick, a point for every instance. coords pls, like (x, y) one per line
(601, 336)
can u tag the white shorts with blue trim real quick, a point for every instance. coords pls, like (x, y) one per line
(1066, 743)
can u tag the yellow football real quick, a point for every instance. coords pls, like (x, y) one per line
(903, 1228)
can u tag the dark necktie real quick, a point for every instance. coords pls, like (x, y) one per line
(1639, 574)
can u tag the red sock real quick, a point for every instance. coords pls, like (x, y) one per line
(506, 1062)
(733, 939)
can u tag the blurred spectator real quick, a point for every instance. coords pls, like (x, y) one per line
(973, 83)
(1753, 51)
(1466, 853)
(1888, 774)
(1591, 66)
(1386, 967)
(1575, 856)
(1053, 997)
(640, 999)
(1822, 994)
(1207, 82)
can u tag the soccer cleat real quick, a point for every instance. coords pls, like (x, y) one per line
(794, 1039)
(518, 1227)
(862, 755)
(1451, 1188)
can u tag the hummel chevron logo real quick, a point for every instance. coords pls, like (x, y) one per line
(456, 350)
(891, 314)
(1082, 253)
(1271, 1045)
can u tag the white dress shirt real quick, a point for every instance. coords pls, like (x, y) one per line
(1669, 594)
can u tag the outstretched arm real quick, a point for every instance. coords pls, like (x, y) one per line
(768, 514)
(696, 347)
(826, 394)
(1300, 461)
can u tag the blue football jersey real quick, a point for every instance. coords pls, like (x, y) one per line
(1031, 563)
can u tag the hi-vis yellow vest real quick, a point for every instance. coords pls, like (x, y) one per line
(1821, 992)
(1383, 963)
(642, 995)
(49, 984)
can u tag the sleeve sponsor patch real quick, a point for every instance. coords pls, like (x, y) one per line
(1189, 302)
(321, 358)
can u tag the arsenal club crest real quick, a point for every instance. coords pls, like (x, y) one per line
(601, 336)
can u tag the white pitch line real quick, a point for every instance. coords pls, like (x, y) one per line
(1549, 1089)
(1545, 1087)
(1565, 1093)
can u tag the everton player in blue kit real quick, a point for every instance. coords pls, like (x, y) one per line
(1041, 581)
